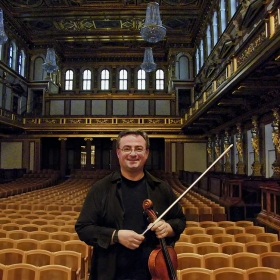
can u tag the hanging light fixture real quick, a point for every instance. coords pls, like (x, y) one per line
(3, 36)
(148, 64)
(153, 31)
(50, 62)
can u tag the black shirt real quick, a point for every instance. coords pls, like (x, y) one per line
(133, 264)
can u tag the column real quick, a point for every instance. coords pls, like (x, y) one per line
(256, 166)
(179, 156)
(240, 166)
(167, 144)
(209, 152)
(63, 156)
(88, 153)
(227, 164)
(218, 165)
(114, 158)
(276, 142)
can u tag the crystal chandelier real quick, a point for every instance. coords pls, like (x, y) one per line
(3, 36)
(153, 31)
(148, 64)
(50, 62)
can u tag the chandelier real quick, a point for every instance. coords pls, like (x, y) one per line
(148, 64)
(153, 31)
(3, 36)
(50, 62)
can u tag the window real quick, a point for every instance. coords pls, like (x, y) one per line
(141, 80)
(223, 19)
(201, 53)
(11, 57)
(215, 29)
(159, 79)
(197, 57)
(233, 4)
(123, 79)
(87, 80)
(105, 79)
(208, 39)
(69, 79)
(21, 63)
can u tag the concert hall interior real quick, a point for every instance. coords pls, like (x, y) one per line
(203, 82)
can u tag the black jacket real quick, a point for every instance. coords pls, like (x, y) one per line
(102, 213)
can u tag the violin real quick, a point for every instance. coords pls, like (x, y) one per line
(162, 261)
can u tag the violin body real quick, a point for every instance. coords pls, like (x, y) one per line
(162, 261)
(157, 264)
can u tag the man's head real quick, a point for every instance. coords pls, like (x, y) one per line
(133, 132)
(132, 151)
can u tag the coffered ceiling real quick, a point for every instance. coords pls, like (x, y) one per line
(90, 29)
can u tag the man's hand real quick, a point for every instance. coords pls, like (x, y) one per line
(130, 239)
(162, 229)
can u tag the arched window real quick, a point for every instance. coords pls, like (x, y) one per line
(215, 29)
(197, 59)
(123, 79)
(21, 63)
(233, 4)
(105, 79)
(159, 79)
(69, 79)
(223, 15)
(141, 80)
(11, 56)
(201, 53)
(208, 39)
(87, 80)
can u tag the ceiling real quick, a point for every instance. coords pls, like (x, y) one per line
(109, 30)
(91, 29)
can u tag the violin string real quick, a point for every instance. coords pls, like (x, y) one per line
(184, 193)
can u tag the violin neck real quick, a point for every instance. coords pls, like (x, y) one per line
(170, 268)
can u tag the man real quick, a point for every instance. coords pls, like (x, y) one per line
(112, 218)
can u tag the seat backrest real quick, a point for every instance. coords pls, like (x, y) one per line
(6, 243)
(11, 256)
(200, 237)
(213, 261)
(195, 273)
(215, 230)
(22, 271)
(60, 235)
(39, 235)
(193, 230)
(70, 259)
(17, 234)
(257, 247)
(38, 257)
(188, 260)
(184, 247)
(254, 229)
(55, 272)
(270, 259)
(234, 230)
(244, 237)
(262, 273)
(204, 248)
(275, 246)
(222, 237)
(229, 273)
(225, 224)
(26, 244)
(52, 245)
(267, 237)
(245, 260)
(232, 247)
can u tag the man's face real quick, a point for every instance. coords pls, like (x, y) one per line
(132, 152)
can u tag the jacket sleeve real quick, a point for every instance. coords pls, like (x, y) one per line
(89, 223)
